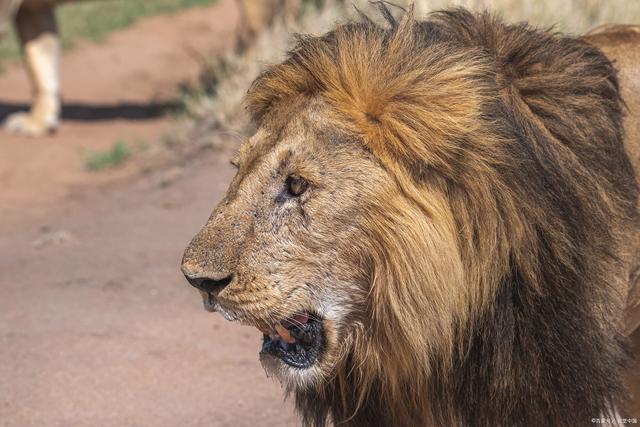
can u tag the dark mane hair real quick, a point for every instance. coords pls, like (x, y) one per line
(521, 130)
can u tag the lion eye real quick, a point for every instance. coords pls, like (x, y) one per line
(296, 185)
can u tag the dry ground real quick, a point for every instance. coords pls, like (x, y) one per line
(97, 326)
(112, 91)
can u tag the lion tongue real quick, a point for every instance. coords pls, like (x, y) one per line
(298, 319)
(281, 329)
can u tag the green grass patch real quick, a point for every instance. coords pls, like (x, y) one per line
(9, 48)
(106, 159)
(95, 20)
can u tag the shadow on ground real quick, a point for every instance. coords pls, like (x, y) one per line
(95, 112)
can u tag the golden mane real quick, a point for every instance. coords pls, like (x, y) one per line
(506, 143)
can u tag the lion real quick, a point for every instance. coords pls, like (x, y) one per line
(435, 223)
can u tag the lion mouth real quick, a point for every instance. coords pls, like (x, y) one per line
(298, 341)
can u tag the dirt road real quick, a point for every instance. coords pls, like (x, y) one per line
(97, 326)
(113, 91)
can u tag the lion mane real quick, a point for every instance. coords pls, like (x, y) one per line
(520, 132)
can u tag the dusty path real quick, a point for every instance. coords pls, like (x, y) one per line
(97, 326)
(111, 91)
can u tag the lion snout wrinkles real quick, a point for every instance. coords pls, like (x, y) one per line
(212, 261)
(213, 253)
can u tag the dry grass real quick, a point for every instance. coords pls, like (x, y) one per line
(95, 20)
(572, 16)
(221, 109)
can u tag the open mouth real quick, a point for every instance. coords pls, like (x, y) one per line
(297, 341)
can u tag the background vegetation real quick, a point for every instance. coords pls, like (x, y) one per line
(573, 16)
(217, 103)
(94, 20)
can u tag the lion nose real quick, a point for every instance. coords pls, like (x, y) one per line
(210, 283)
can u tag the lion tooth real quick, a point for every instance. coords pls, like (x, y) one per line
(284, 334)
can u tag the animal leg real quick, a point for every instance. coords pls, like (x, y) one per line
(38, 34)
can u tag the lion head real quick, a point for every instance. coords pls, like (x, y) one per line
(419, 206)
